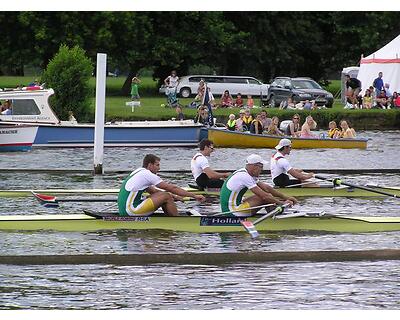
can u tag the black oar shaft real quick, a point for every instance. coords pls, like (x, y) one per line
(359, 187)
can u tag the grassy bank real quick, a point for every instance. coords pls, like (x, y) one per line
(151, 108)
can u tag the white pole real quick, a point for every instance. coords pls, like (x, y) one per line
(101, 70)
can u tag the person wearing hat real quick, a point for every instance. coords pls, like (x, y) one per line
(233, 189)
(205, 176)
(280, 167)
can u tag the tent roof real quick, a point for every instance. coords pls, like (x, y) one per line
(389, 53)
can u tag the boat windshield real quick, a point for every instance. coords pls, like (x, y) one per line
(24, 107)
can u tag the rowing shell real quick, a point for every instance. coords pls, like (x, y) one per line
(196, 224)
(295, 192)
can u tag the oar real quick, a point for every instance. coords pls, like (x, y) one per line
(250, 226)
(338, 182)
(53, 201)
(242, 209)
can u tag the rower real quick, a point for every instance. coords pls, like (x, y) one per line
(205, 176)
(231, 196)
(280, 168)
(130, 198)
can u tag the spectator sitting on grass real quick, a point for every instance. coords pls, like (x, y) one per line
(238, 101)
(395, 100)
(226, 100)
(367, 100)
(179, 113)
(250, 102)
(382, 101)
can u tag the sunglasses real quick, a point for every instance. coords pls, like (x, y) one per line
(296, 118)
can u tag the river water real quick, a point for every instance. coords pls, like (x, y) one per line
(305, 285)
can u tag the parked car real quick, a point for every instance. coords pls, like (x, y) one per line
(299, 89)
(218, 84)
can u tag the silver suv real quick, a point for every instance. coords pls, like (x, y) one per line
(218, 84)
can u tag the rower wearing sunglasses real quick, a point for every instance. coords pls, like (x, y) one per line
(234, 188)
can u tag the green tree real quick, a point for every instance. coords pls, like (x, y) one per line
(68, 73)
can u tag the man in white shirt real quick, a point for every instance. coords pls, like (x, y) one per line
(205, 176)
(232, 193)
(280, 168)
(132, 202)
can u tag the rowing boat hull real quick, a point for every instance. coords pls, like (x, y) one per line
(82, 222)
(295, 192)
(232, 139)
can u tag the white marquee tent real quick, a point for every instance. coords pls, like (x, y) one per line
(387, 60)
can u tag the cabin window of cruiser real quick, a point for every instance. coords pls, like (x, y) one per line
(25, 107)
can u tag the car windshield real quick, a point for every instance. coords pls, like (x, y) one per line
(305, 84)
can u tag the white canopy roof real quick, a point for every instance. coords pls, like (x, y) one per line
(386, 60)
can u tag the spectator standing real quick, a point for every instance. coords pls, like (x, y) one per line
(172, 80)
(135, 89)
(378, 84)
(200, 90)
(388, 91)
(353, 88)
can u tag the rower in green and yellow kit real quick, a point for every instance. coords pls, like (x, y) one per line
(131, 199)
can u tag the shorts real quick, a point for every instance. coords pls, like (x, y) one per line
(203, 181)
(283, 181)
(242, 213)
(135, 97)
(143, 209)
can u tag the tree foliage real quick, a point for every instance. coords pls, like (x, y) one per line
(68, 73)
(263, 44)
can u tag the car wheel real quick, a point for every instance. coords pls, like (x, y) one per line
(185, 92)
(272, 102)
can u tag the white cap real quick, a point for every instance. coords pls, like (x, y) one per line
(255, 158)
(283, 143)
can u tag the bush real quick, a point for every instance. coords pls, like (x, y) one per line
(68, 73)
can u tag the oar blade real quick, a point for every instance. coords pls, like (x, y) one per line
(46, 200)
(250, 228)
